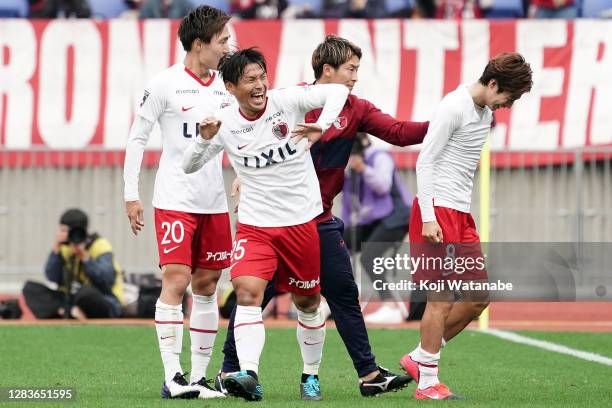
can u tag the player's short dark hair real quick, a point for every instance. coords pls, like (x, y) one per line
(203, 22)
(511, 72)
(74, 217)
(333, 51)
(232, 65)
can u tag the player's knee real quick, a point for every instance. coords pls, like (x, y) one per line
(176, 280)
(307, 304)
(204, 288)
(479, 306)
(246, 296)
(480, 301)
(204, 283)
(439, 307)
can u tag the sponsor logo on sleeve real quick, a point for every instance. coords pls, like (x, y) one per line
(144, 97)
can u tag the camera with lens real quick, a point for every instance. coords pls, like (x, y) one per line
(76, 220)
(77, 235)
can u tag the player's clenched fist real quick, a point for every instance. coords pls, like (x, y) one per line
(432, 232)
(209, 127)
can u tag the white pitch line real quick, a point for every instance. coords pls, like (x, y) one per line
(547, 345)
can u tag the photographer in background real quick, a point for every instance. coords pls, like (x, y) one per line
(90, 281)
(376, 208)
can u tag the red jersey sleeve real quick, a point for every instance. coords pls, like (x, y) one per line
(389, 129)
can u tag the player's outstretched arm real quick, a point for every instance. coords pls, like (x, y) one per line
(137, 140)
(330, 97)
(390, 129)
(205, 147)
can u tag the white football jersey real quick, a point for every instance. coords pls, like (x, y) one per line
(451, 150)
(179, 100)
(279, 182)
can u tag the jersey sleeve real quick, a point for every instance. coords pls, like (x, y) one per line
(303, 99)
(154, 99)
(201, 152)
(385, 127)
(445, 122)
(137, 141)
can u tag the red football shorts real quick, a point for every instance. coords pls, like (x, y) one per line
(197, 240)
(292, 253)
(458, 257)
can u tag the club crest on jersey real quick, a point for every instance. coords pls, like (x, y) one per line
(144, 97)
(280, 130)
(340, 122)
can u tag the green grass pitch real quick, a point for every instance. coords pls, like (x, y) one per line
(119, 366)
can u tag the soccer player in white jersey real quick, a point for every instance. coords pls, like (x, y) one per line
(441, 212)
(280, 197)
(191, 214)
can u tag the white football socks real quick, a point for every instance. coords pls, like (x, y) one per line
(169, 327)
(250, 336)
(311, 337)
(428, 367)
(203, 325)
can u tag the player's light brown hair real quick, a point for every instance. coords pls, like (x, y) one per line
(511, 72)
(333, 51)
(203, 22)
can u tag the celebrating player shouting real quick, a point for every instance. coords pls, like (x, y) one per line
(191, 216)
(336, 61)
(276, 233)
(441, 213)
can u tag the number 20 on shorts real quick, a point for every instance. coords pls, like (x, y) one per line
(176, 231)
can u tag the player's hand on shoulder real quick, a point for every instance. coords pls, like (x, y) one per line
(311, 131)
(209, 127)
(135, 215)
(432, 232)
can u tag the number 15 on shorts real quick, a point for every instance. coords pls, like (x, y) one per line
(238, 249)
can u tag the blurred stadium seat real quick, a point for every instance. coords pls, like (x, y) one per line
(13, 8)
(506, 9)
(398, 6)
(596, 8)
(107, 8)
(220, 4)
(314, 5)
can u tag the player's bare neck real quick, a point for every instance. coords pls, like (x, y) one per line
(477, 92)
(249, 114)
(201, 71)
